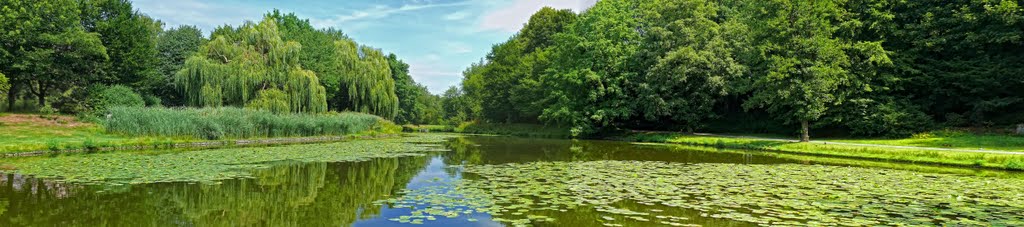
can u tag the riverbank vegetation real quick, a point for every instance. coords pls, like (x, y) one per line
(30, 132)
(227, 122)
(94, 55)
(845, 68)
(208, 165)
(910, 155)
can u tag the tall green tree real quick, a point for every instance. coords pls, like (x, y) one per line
(407, 91)
(130, 38)
(804, 66)
(234, 67)
(689, 47)
(959, 59)
(355, 77)
(174, 46)
(45, 48)
(591, 87)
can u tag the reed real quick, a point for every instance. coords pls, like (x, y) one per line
(231, 122)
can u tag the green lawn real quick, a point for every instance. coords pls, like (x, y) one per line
(25, 132)
(1002, 161)
(951, 139)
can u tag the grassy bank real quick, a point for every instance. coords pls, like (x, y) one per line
(951, 139)
(164, 127)
(1001, 161)
(523, 130)
(428, 128)
(31, 132)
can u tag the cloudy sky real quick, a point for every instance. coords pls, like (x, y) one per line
(438, 38)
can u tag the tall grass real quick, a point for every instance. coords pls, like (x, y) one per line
(229, 122)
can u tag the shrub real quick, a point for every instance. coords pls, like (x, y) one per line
(117, 95)
(892, 119)
(231, 122)
(152, 100)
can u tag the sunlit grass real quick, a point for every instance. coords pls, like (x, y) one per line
(1004, 161)
(951, 139)
(47, 134)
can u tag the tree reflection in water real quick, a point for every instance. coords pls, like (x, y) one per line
(287, 194)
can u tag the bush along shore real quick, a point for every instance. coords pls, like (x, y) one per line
(921, 155)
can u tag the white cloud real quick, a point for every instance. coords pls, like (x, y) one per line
(511, 18)
(457, 47)
(429, 71)
(377, 12)
(206, 16)
(457, 15)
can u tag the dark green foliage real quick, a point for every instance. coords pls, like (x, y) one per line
(46, 49)
(868, 67)
(892, 119)
(130, 38)
(217, 123)
(415, 103)
(173, 46)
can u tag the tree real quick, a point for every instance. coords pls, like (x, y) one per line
(804, 66)
(174, 46)
(690, 59)
(407, 91)
(367, 80)
(958, 59)
(234, 67)
(590, 88)
(355, 77)
(46, 48)
(130, 38)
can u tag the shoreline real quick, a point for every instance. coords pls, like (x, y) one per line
(202, 145)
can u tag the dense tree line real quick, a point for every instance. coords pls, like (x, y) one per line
(865, 67)
(73, 55)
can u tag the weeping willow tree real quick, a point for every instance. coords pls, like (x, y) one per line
(238, 64)
(366, 79)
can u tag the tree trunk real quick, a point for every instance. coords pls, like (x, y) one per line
(805, 134)
(11, 94)
(42, 95)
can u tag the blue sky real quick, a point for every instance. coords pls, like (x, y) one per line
(438, 38)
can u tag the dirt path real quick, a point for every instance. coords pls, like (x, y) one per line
(868, 145)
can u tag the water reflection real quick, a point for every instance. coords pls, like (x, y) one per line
(294, 194)
(343, 194)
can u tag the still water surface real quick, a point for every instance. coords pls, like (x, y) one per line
(345, 194)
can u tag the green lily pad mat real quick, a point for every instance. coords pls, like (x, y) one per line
(210, 165)
(767, 195)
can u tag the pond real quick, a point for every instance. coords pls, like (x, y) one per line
(494, 181)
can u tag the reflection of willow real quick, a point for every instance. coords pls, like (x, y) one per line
(311, 194)
(316, 194)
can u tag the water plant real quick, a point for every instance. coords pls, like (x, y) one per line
(209, 165)
(767, 195)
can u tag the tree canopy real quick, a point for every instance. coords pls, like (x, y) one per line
(867, 67)
(236, 66)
